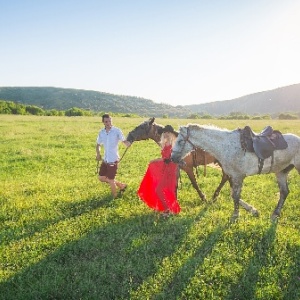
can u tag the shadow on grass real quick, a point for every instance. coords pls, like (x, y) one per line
(292, 284)
(187, 271)
(246, 285)
(65, 211)
(107, 263)
(116, 260)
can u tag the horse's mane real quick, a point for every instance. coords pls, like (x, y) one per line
(206, 126)
(160, 125)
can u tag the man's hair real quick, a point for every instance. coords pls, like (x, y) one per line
(105, 116)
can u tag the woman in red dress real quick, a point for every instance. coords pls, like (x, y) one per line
(158, 188)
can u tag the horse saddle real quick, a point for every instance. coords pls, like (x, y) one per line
(262, 144)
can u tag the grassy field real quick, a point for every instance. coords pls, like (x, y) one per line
(63, 237)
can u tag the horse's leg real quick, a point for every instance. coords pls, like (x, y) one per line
(236, 189)
(245, 205)
(284, 191)
(192, 178)
(224, 179)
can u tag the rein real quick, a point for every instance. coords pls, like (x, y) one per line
(123, 154)
(187, 139)
(98, 162)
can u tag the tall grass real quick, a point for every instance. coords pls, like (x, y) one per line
(63, 237)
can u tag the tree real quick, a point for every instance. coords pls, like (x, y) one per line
(287, 116)
(34, 110)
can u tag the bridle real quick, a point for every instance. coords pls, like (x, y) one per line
(186, 139)
(98, 162)
(131, 141)
(145, 128)
(193, 152)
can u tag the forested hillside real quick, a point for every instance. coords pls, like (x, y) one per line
(273, 102)
(63, 99)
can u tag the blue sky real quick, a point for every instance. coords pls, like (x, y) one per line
(176, 52)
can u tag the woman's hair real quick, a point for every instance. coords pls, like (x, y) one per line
(167, 138)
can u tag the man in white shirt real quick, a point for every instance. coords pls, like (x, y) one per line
(109, 137)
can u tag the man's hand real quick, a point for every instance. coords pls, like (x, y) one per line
(127, 143)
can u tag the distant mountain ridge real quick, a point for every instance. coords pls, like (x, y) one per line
(280, 100)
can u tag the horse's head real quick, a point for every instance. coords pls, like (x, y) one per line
(144, 131)
(182, 145)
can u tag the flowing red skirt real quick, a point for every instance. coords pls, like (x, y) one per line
(159, 185)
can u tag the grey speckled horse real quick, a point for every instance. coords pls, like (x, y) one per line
(149, 130)
(226, 147)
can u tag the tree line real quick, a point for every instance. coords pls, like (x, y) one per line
(14, 108)
(243, 116)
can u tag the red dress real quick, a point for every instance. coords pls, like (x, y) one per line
(159, 185)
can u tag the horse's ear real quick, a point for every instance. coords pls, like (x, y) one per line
(151, 120)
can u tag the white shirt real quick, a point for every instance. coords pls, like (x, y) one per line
(110, 142)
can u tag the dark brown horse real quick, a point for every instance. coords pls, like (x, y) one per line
(197, 157)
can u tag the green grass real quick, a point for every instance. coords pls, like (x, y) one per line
(63, 237)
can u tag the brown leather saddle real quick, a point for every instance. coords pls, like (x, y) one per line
(262, 144)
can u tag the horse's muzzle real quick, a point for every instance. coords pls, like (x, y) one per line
(174, 158)
(130, 138)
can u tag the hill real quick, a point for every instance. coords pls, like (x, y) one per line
(284, 99)
(280, 100)
(63, 99)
